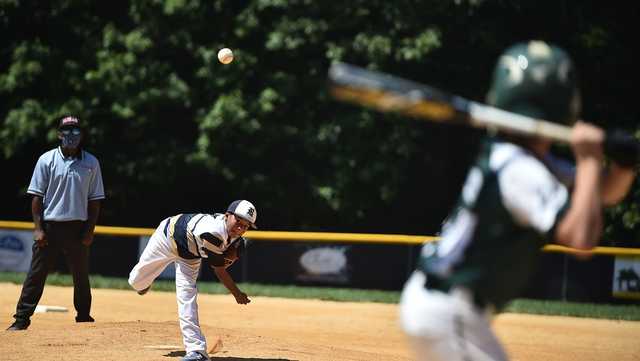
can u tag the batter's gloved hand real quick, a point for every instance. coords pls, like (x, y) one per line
(623, 148)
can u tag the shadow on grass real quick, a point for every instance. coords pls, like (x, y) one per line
(213, 358)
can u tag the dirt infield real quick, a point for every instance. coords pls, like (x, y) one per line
(279, 329)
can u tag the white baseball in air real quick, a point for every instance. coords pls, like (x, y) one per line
(225, 55)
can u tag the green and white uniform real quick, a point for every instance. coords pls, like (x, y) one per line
(508, 209)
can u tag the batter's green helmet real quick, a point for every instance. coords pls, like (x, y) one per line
(536, 79)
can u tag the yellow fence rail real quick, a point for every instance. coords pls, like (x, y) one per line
(369, 238)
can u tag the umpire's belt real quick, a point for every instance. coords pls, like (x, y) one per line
(433, 282)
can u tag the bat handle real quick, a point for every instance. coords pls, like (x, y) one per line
(484, 116)
(554, 131)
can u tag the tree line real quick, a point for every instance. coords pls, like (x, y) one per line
(177, 131)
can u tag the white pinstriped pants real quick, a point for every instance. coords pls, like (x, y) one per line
(446, 326)
(157, 255)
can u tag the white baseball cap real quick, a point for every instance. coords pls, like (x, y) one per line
(245, 210)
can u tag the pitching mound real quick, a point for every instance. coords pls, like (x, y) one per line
(141, 328)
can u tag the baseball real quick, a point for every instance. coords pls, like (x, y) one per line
(225, 55)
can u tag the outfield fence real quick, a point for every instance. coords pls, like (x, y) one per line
(331, 237)
(359, 260)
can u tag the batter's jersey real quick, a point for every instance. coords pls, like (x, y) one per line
(200, 235)
(66, 184)
(508, 208)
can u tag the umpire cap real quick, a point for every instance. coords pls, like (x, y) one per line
(68, 121)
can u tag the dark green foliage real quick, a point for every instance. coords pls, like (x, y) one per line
(177, 131)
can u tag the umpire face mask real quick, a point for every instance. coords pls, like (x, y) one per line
(70, 138)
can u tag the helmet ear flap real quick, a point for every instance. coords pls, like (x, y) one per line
(537, 80)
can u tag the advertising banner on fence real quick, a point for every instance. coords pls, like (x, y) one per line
(366, 266)
(626, 277)
(15, 250)
(325, 264)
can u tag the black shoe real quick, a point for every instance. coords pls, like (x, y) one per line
(19, 325)
(142, 292)
(85, 319)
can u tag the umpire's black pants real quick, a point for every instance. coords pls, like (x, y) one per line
(65, 237)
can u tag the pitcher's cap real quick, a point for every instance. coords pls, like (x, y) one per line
(245, 210)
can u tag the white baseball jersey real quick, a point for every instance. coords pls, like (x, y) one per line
(198, 235)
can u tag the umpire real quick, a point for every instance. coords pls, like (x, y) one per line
(67, 188)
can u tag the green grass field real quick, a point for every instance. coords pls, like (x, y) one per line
(607, 311)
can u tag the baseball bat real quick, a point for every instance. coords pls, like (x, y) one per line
(389, 93)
